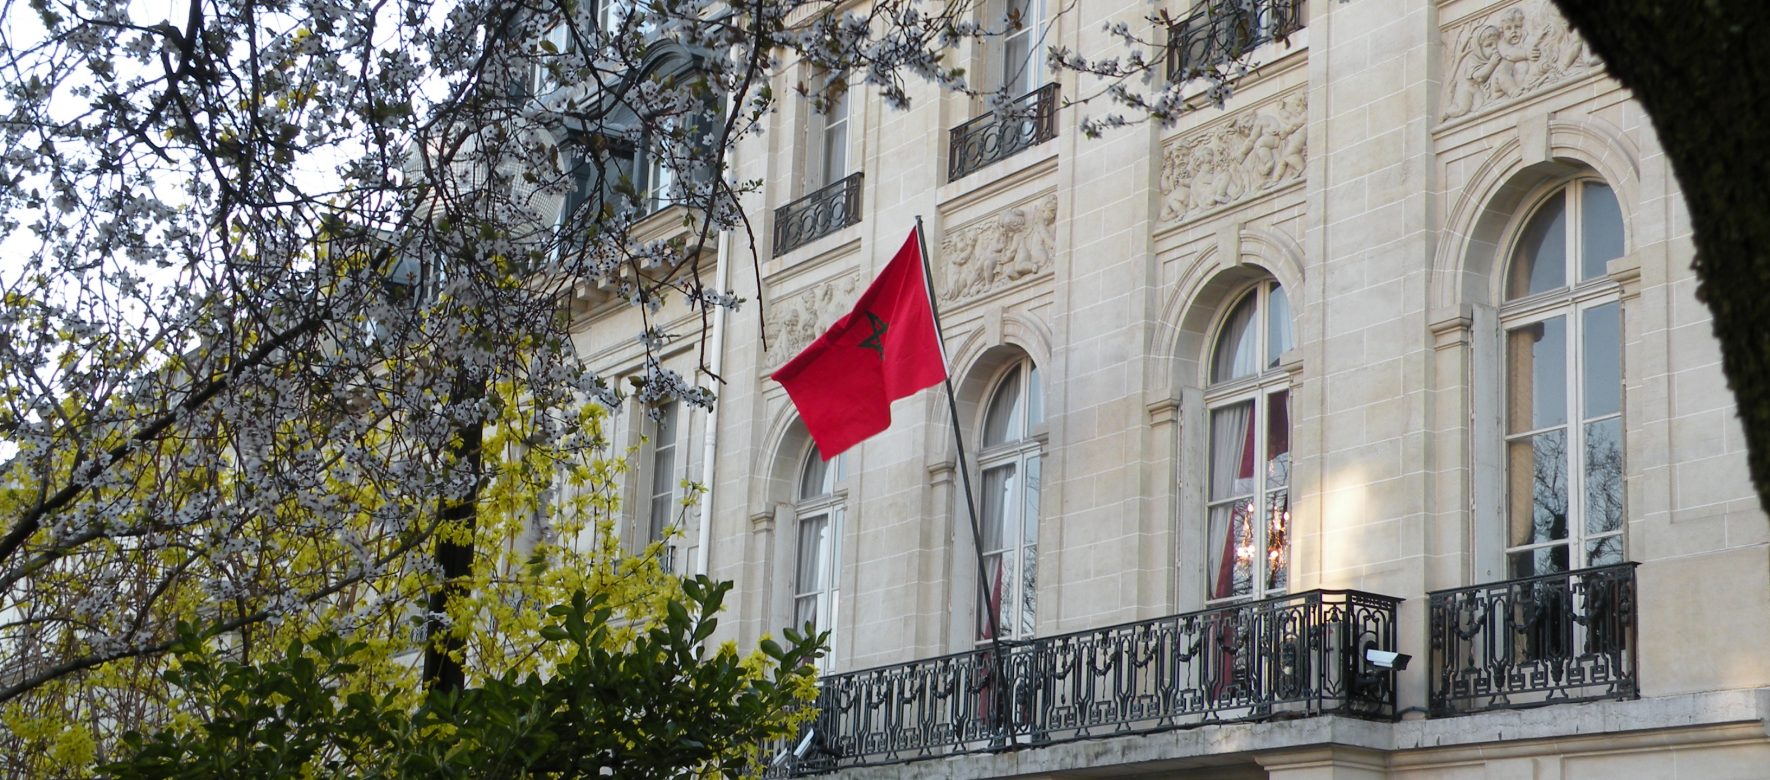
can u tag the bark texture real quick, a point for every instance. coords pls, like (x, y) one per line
(1702, 70)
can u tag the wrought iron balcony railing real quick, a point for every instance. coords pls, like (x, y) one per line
(817, 215)
(1219, 31)
(1027, 122)
(1289, 656)
(1551, 639)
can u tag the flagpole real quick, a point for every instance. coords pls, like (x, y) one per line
(952, 405)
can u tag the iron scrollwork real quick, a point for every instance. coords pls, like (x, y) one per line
(817, 215)
(1027, 122)
(1555, 638)
(1290, 656)
(1220, 31)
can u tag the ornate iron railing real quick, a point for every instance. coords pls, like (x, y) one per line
(1290, 656)
(1542, 640)
(817, 215)
(1219, 31)
(1027, 122)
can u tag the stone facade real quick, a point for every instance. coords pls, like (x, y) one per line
(1380, 166)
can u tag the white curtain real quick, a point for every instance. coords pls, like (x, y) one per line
(1232, 477)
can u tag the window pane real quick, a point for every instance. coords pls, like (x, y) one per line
(1020, 68)
(1278, 325)
(1536, 375)
(1235, 356)
(1536, 473)
(814, 478)
(1016, 81)
(1278, 546)
(1543, 560)
(1002, 423)
(1278, 439)
(1605, 551)
(1540, 262)
(663, 471)
(1029, 594)
(1230, 549)
(1601, 355)
(998, 491)
(1000, 580)
(835, 140)
(1604, 476)
(1029, 513)
(813, 543)
(1035, 397)
(1232, 451)
(1601, 230)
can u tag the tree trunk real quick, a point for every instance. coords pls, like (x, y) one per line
(1702, 70)
(454, 560)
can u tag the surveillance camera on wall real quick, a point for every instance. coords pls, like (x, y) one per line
(1386, 660)
(805, 744)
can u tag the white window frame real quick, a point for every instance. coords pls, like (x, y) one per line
(541, 81)
(1269, 379)
(828, 505)
(1571, 302)
(1020, 74)
(824, 131)
(1018, 457)
(659, 177)
(664, 501)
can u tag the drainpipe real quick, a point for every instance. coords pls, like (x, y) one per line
(721, 272)
(716, 362)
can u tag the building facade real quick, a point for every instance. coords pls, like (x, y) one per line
(1395, 351)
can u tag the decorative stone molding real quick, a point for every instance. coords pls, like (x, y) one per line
(796, 320)
(987, 255)
(1255, 150)
(1509, 53)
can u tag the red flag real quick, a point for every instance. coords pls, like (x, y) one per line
(883, 350)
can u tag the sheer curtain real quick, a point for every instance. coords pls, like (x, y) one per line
(1232, 477)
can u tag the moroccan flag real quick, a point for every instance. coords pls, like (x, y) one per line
(883, 350)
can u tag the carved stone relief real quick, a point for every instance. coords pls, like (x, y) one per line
(993, 253)
(794, 321)
(1510, 53)
(1255, 151)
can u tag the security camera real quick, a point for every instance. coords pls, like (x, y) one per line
(805, 744)
(1386, 660)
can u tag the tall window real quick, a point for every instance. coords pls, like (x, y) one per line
(663, 503)
(556, 42)
(659, 176)
(820, 543)
(1009, 460)
(1023, 62)
(829, 161)
(1563, 403)
(1248, 537)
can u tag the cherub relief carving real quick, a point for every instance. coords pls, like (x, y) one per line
(1255, 151)
(795, 321)
(1510, 53)
(1018, 243)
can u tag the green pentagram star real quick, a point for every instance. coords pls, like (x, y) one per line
(875, 341)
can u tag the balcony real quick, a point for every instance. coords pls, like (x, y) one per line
(1027, 122)
(1221, 31)
(1557, 638)
(817, 215)
(1286, 657)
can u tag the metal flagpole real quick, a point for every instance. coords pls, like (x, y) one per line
(998, 700)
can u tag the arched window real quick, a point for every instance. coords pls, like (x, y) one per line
(1563, 393)
(819, 510)
(1009, 461)
(1248, 492)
